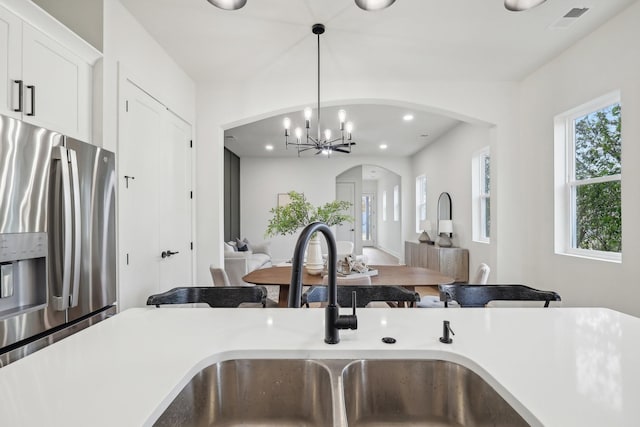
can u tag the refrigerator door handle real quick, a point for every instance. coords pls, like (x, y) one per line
(77, 228)
(61, 302)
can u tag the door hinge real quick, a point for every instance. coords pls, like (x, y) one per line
(191, 245)
(126, 106)
(191, 143)
(191, 194)
(127, 259)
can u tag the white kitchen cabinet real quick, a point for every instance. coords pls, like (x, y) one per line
(10, 62)
(55, 83)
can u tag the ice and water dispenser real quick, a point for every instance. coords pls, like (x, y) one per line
(23, 273)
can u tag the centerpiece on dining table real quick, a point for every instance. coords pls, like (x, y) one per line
(298, 213)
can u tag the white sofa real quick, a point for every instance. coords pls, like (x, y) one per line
(238, 264)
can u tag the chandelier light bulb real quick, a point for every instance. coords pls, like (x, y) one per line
(349, 127)
(342, 116)
(307, 113)
(327, 134)
(298, 132)
(287, 123)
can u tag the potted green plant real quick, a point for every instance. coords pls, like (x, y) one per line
(299, 213)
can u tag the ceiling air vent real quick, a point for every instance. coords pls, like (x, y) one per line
(569, 18)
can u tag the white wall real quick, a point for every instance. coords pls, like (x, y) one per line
(607, 60)
(262, 179)
(128, 46)
(447, 165)
(224, 106)
(130, 52)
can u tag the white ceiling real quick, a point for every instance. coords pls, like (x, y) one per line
(473, 40)
(374, 125)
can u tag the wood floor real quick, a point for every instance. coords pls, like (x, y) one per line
(377, 256)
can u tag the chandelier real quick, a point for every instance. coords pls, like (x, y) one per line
(323, 142)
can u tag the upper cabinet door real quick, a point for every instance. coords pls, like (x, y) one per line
(10, 63)
(57, 86)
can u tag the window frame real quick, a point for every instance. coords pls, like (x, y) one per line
(566, 184)
(384, 206)
(421, 201)
(480, 197)
(396, 203)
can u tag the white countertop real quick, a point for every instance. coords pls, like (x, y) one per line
(557, 366)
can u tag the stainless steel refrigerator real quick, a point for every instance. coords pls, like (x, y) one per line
(57, 237)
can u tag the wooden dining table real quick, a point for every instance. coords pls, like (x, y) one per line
(396, 275)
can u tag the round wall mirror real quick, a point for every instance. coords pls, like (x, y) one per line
(444, 209)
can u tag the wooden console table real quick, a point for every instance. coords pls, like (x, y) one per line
(399, 275)
(452, 262)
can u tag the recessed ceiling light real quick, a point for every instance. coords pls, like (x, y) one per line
(407, 117)
(228, 4)
(374, 4)
(520, 5)
(269, 147)
(383, 146)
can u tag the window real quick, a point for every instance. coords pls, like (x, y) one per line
(588, 208)
(396, 203)
(384, 205)
(421, 201)
(481, 194)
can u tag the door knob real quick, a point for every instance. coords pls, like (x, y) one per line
(168, 253)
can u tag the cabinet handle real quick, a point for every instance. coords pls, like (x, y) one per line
(33, 100)
(19, 109)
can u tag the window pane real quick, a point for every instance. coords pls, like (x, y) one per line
(598, 143)
(598, 217)
(367, 207)
(486, 164)
(487, 218)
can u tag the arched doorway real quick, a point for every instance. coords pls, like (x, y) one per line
(376, 194)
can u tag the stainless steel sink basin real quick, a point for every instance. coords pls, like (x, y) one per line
(338, 393)
(422, 393)
(256, 392)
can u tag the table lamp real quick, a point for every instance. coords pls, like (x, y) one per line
(424, 237)
(445, 227)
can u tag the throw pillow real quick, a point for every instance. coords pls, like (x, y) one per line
(242, 246)
(229, 248)
(261, 248)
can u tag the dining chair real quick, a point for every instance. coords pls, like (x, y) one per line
(320, 295)
(482, 274)
(481, 278)
(220, 278)
(366, 295)
(214, 296)
(480, 295)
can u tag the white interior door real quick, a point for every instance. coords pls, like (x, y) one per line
(346, 191)
(175, 204)
(154, 198)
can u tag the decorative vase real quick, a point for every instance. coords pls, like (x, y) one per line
(444, 241)
(315, 263)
